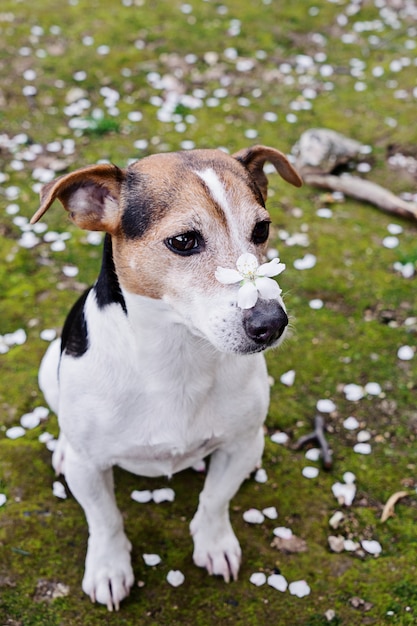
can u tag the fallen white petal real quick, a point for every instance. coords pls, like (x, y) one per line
(227, 276)
(41, 411)
(247, 296)
(394, 229)
(258, 579)
(253, 516)
(390, 242)
(58, 490)
(306, 263)
(268, 288)
(30, 420)
(374, 389)
(279, 437)
(351, 423)
(175, 577)
(299, 588)
(45, 437)
(261, 476)
(310, 472)
(344, 493)
(349, 478)
(353, 392)
(151, 559)
(270, 512)
(371, 546)
(288, 378)
(363, 435)
(313, 454)
(141, 496)
(316, 304)
(200, 466)
(15, 432)
(49, 334)
(3, 499)
(282, 532)
(163, 495)
(350, 545)
(336, 519)
(362, 448)
(278, 582)
(326, 406)
(405, 353)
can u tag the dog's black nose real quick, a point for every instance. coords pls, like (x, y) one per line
(265, 322)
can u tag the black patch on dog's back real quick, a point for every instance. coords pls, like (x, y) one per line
(107, 287)
(74, 340)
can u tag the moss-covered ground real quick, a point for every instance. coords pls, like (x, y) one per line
(260, 71)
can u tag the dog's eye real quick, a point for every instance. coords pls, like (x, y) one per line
(186, 243)
(261, 232)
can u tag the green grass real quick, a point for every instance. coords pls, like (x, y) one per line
(348, 340)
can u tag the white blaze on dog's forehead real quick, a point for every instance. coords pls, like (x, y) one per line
(218, 192)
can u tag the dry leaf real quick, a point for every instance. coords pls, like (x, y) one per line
(391, 502)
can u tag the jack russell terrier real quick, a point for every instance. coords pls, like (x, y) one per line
(160, 363)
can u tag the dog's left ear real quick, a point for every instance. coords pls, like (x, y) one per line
(254, 160)
(90, 195)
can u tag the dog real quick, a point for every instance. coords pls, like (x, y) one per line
(157, 366)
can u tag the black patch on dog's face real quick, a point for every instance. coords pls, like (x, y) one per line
(74, 339)
(107, 287)
(142, 205)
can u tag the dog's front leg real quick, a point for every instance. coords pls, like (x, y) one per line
(215, 544)
(108, 573)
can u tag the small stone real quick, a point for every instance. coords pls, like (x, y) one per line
(175, 577)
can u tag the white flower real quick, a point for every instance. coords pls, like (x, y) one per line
(254, 279)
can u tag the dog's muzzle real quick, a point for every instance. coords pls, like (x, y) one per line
(265, 322)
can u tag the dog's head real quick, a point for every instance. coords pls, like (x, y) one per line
(174, 219)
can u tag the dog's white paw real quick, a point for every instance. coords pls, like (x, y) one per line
(108, 573)
(216, 547)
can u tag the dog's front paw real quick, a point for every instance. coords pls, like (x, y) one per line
(216, 547)
(108, 573)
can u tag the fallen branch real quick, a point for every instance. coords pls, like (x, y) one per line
(317, 436)
(365, 190)
(391, 502)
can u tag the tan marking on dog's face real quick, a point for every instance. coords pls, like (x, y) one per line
(209, 194)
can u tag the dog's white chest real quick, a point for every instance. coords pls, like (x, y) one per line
(157, 401)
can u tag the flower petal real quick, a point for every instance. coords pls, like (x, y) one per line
(247, 264)
(273, 268)
(268, 288)
(227, 276)
(247, 296)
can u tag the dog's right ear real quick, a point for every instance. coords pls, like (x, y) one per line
(90, 195)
